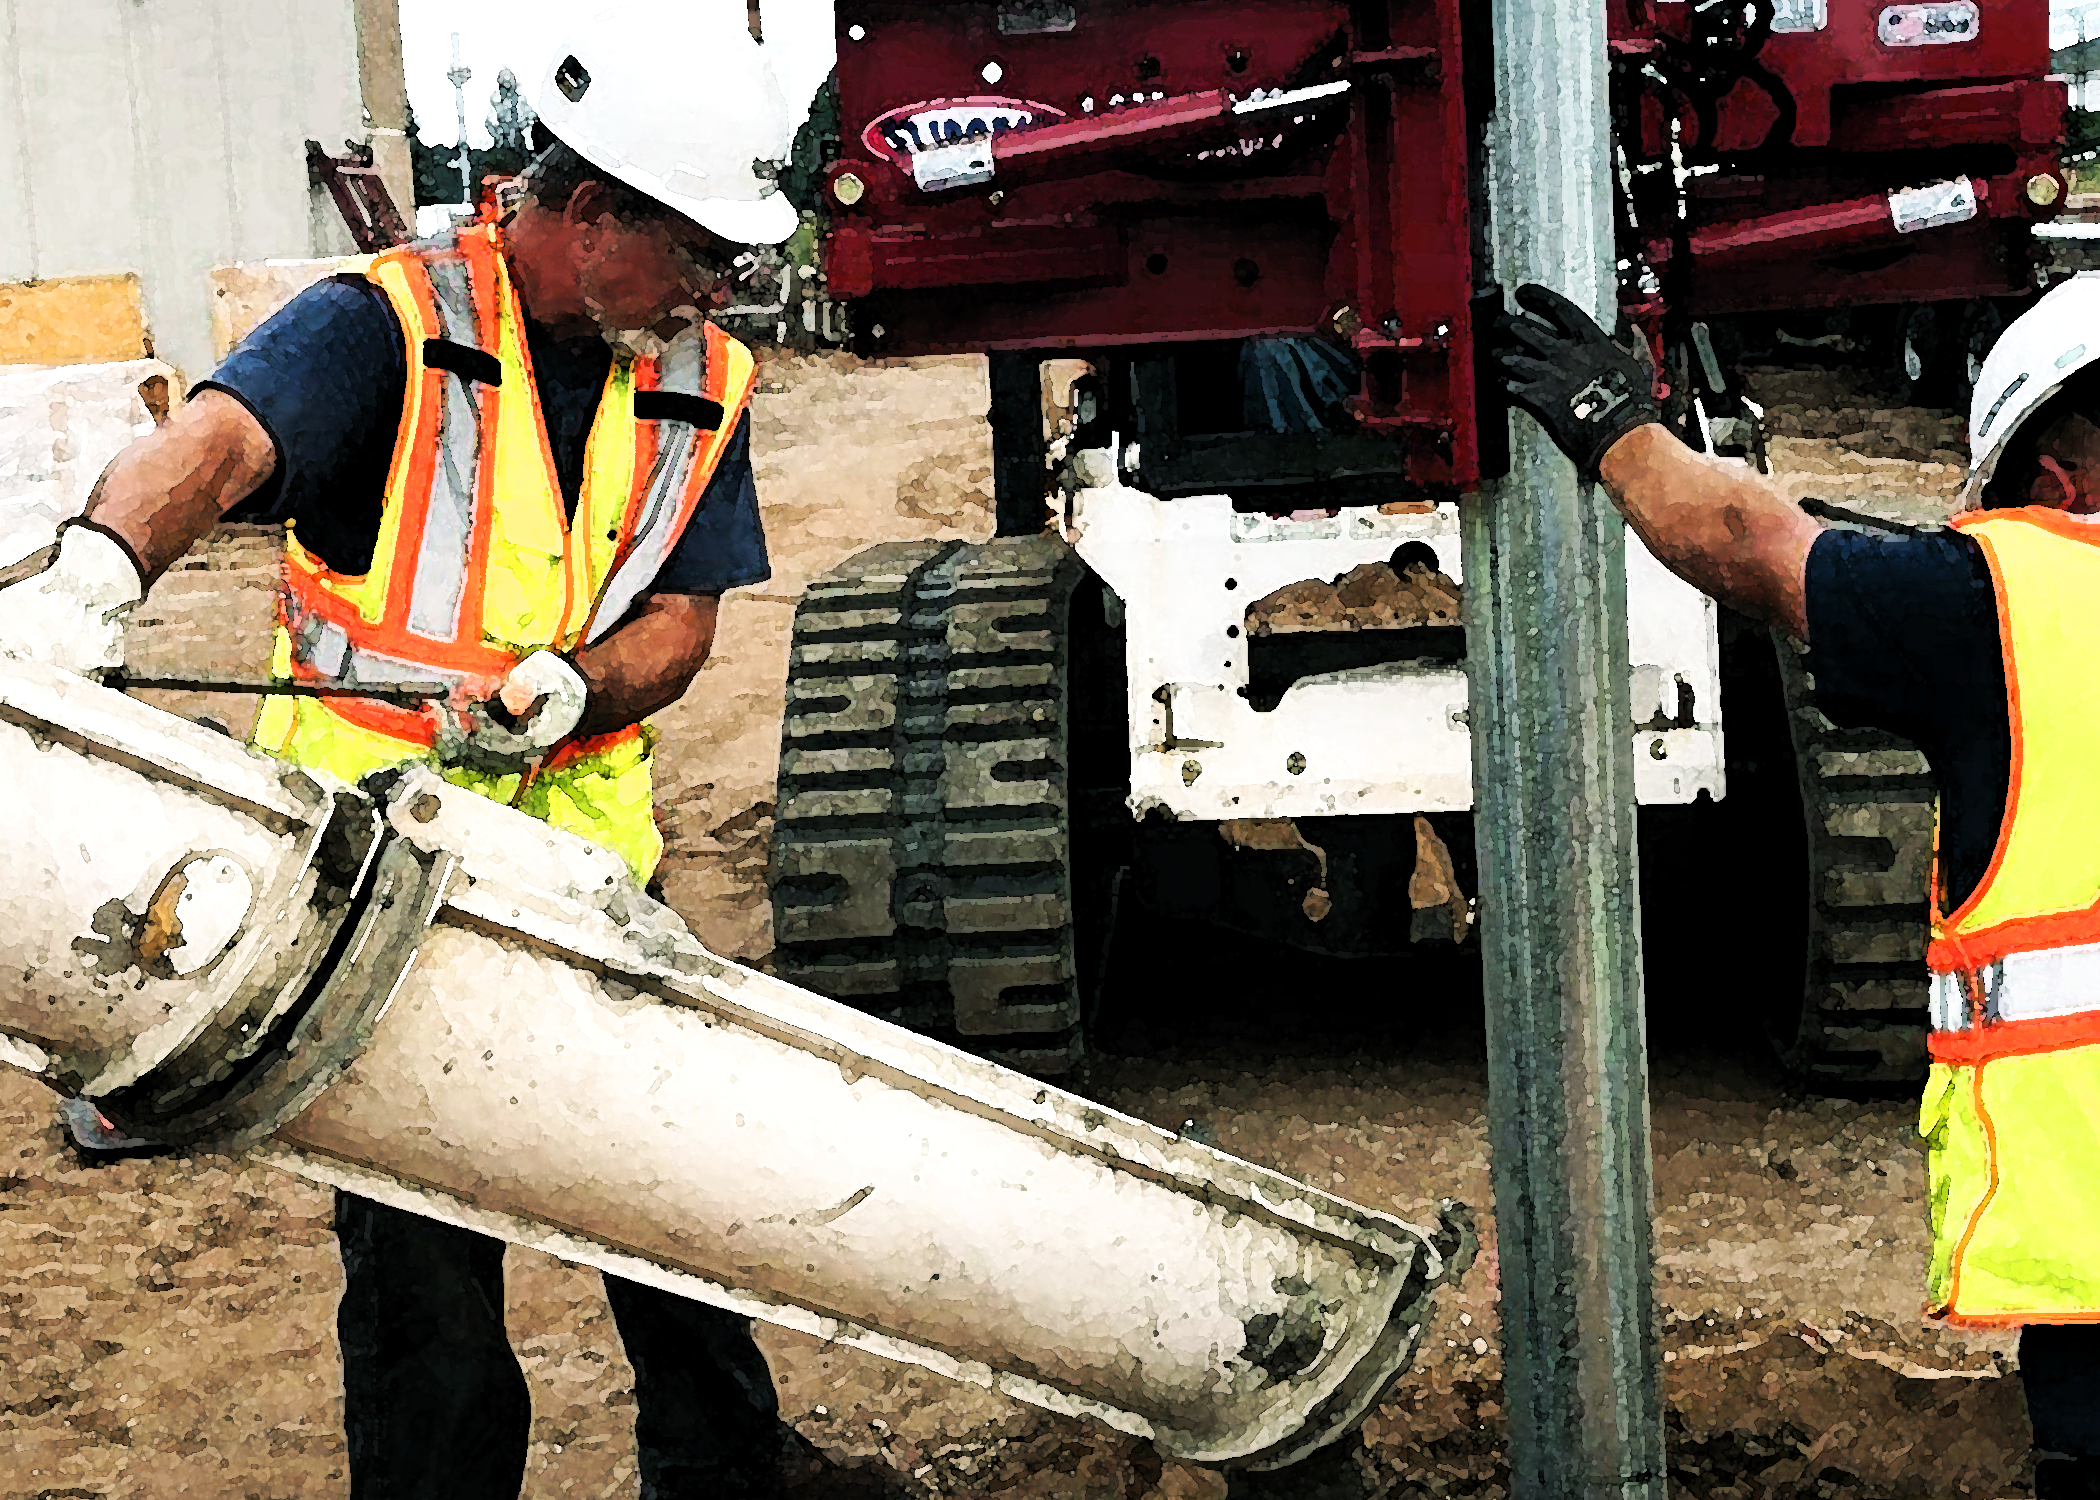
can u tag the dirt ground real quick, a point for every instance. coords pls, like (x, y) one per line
(166, 1326)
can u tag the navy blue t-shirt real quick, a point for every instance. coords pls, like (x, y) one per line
(326, 376)
(1903, 636)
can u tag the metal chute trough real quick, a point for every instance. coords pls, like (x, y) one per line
(410, 991)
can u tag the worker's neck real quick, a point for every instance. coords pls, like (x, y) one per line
(537, 244)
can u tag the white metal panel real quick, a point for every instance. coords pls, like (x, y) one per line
(1384, 739)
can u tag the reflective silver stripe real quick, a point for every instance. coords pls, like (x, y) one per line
(2043, 984)
(683, 369)
(1950, 1007)
(323, 645)
(448, 526)
(376, 667)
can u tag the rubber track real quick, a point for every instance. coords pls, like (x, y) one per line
(1868, 800)
(920, 860)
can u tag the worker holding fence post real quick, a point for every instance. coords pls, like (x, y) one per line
(1974, 643)
(515, 460)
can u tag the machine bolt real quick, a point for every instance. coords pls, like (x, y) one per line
(2043, 189)
(1658, 749)
(1296, 764)
(848, 189)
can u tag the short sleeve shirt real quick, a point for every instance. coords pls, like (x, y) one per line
(1903, 637)
(326, 377)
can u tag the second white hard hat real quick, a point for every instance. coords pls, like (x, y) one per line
(2040, 351)
(677, 101)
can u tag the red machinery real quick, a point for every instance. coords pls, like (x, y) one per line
(1102, 173)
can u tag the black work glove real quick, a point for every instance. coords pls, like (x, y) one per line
(1584, 390)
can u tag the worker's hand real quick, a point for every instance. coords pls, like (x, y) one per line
(536, 707)
(1561, 367)
(71, 614)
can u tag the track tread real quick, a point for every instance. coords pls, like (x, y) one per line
(1868, 799)
(949, 909)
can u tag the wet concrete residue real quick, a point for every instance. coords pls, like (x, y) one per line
(127, 941)
(1282, 1346)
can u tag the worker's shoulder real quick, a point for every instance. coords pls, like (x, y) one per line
(347, 302)
(1859, 543)
(342, 322)
(1874, 590)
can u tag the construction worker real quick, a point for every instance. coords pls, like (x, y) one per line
(510, 464)
(1974, 643)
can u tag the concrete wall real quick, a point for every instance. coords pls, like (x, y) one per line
(384, 80)
(165, 138)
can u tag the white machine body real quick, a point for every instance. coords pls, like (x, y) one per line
(1391, 738)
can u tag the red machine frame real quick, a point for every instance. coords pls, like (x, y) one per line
(1073, 174)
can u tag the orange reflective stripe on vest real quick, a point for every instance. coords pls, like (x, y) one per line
(2012, 1111)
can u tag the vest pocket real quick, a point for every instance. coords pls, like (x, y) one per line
(2033, 1249)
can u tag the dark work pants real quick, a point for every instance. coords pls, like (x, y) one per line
(2060, 1368)
(434, 1404)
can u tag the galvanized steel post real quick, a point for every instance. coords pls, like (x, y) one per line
(1554, 797)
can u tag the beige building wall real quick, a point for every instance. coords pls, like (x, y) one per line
(162, 139)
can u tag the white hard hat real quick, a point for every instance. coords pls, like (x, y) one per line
(677, 101)
(2041, 350)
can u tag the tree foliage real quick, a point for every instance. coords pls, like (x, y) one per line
(2081, 131)
(436, 168)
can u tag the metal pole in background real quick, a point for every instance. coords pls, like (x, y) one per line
(459, 76)
(1554, 821)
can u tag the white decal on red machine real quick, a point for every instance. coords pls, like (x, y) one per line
(900, 133)
(1931, 207)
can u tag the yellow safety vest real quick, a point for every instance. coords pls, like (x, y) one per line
(2011, 1113)
(476, 565)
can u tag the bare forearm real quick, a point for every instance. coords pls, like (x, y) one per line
(167, 489)
(1720, 528)
(648, 662)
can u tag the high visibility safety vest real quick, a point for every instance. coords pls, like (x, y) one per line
(476, 565)
(2011, 1113)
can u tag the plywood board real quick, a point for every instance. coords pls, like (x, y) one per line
(73, 320)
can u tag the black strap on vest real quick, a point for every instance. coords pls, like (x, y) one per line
(463, 360)
(677, 406)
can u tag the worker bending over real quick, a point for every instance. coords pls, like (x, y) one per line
(1974, 643)
(510, 464)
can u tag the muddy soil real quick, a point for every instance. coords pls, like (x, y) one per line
(166, 1327)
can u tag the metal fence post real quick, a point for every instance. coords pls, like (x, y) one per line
(1553, 789)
